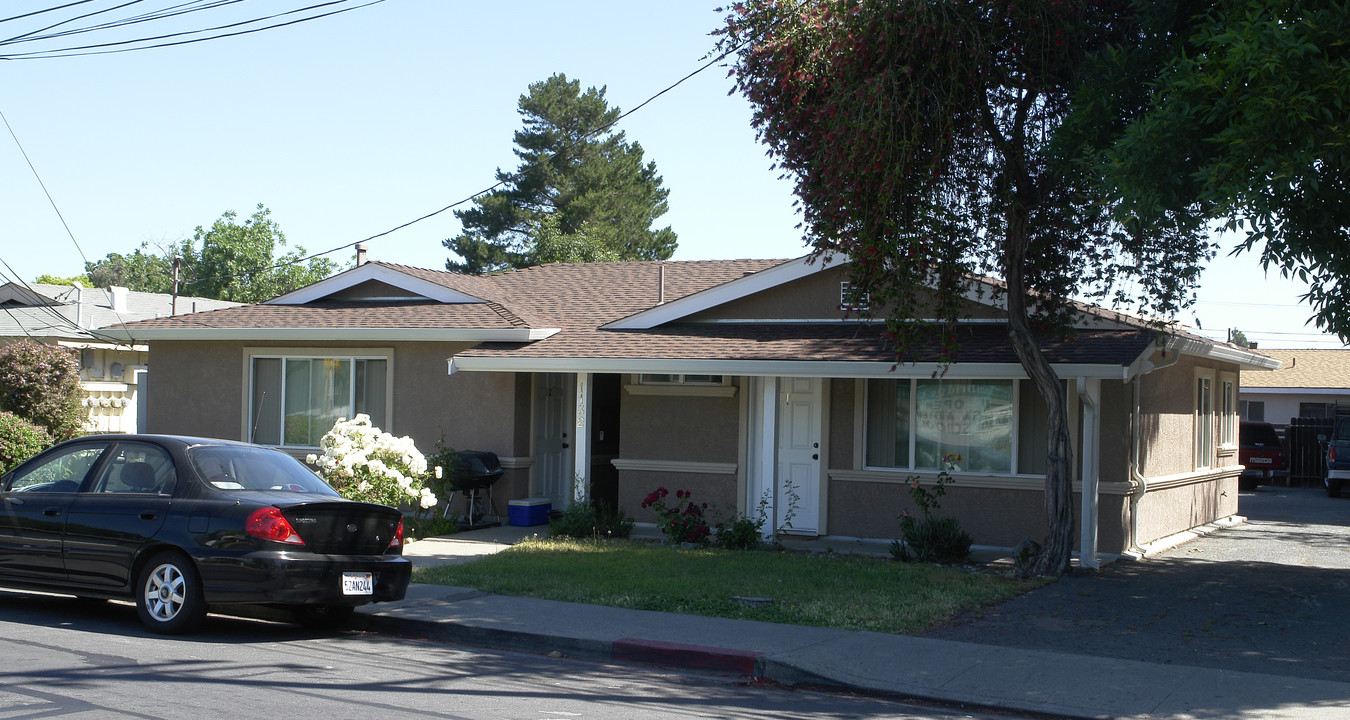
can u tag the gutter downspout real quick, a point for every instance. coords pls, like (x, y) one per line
(1087, 550)
(1136, 432)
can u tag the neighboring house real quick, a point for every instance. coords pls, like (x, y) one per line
(112, 369)
(730, 379)
(1309, 384)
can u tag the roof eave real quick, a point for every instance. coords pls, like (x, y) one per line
(776, 368)
(474, 335)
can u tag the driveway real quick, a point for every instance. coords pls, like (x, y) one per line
(1269, 596)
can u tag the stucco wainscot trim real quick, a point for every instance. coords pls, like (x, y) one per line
(1034, 483)
(1168, 482)
(676, 466)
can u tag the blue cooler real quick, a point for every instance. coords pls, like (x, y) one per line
(529, 511)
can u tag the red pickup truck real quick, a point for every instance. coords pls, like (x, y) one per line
(1261, 454)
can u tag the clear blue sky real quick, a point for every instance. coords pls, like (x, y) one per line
(350, 125)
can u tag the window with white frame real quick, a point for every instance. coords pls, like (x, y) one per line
(1204, 420)
(295, 399)
(1228, 410)
(680, 379)
(987, 426)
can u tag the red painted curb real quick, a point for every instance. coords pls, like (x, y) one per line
(698, 657)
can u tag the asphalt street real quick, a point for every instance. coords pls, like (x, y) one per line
(1269, 596)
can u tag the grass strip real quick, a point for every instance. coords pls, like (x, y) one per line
(833, 591)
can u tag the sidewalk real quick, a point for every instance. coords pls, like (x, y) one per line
(921, 668)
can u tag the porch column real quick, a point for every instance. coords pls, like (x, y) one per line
(1090, 394)
(581, 454)
(764, 441)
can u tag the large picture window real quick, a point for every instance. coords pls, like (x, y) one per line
(295, 400)
(986, 426)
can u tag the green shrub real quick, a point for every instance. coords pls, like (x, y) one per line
(584, 521)
(20, 440)
(41, 384)
(739, 533)
(936, 540)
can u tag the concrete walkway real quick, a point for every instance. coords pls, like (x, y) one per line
(949, 671)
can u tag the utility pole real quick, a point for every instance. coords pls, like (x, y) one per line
(177, 262)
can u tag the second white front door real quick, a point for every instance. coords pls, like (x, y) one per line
(799, 421)
(552, 438)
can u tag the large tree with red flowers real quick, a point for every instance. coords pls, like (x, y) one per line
(936, 142)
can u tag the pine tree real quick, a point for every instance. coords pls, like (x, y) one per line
(588, 179)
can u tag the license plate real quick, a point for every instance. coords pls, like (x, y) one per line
(1261, 460)
(358, 583)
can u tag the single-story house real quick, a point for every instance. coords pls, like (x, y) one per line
(737, 380)
(1312, 383)
(112, 368)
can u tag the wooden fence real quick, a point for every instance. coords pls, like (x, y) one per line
(1305, 441)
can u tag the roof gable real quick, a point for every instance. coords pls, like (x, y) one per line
(376, 282)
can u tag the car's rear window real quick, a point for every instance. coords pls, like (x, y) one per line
(239, 467)
(1343, 430)
(1253, 434)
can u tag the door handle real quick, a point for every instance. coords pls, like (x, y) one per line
(52, 512)
(149, 515)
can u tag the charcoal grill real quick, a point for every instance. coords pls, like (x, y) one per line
(474, 473)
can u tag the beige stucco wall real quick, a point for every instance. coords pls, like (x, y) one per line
(663, 427)
(197, 388)
(718, 491)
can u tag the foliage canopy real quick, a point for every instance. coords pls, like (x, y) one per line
(230, 260)
(578, 181)
(40, 383)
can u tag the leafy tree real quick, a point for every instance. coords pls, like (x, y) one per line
(1239, 338)
(589, 178)
(41, 384)
(548, 244)
(228, 261)
(1248, 124)
(237, 261)
(934, 142)
(142, 271)
(83, 280)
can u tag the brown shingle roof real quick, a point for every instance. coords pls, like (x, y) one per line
(345, 315)
(850, 342)
(1327, 369)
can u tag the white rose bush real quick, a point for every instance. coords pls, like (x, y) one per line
(367, 464)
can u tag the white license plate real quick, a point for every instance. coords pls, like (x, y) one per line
(358, 583)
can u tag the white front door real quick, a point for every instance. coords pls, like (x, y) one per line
(552, 438)
(797, 509)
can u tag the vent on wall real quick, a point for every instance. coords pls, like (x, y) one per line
(851, 298)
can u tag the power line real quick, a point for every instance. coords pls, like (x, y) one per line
(500, 183)
(95, 49)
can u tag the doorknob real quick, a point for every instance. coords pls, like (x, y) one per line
(815, 456)
(565, 446)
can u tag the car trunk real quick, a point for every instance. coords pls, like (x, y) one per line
(344, 528)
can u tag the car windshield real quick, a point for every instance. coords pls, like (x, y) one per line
(241, 467)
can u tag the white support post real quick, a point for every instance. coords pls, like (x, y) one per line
(1090, 394)
(581, 455)
(766, 442)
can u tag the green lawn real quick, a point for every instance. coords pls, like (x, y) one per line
(834, 591)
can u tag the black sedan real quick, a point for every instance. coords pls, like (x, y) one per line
(180, 524)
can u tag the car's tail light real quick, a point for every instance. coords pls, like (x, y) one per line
(397, 542)
(269, 524)
(1331, 454)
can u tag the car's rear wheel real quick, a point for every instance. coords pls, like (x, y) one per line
(169, 595)
(319, 616)
(1333, 486)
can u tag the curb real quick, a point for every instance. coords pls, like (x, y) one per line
(694, 657)
(742, 663)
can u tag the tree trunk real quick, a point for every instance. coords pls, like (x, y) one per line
(1054, 556)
